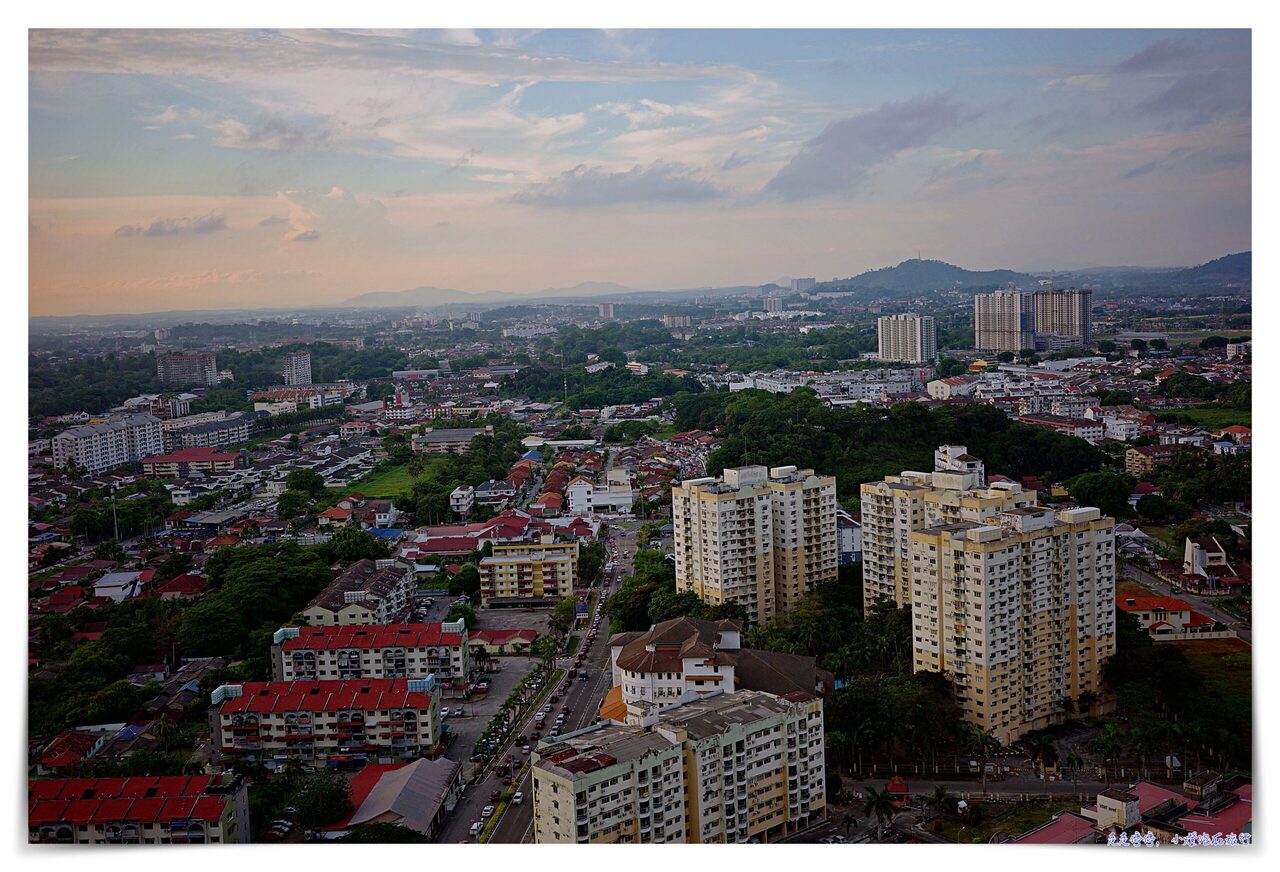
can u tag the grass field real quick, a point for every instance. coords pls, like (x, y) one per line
(1012, 818)
(1209, 419)
(1163, 536)
(387, 483)
(1129, 587)
(1226, 665)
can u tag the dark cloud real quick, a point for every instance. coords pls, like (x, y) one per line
(1158, 55)
(209, 224)
(1200, 97)
(733, 161)
(304, 236)
(273, 220)
(203, 224)
(839, 159)
(276, 132)
(583, 186)
(1147, 167)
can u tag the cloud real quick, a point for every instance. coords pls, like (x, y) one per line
(1158, 55)
(204, 224)
(840, 159)
(302, 236)
(1200, 97)
(1149, 166)
(583, 186)
(273, 220)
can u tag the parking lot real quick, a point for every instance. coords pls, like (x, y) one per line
(478, 711)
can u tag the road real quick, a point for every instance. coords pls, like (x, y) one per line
(583, 700)
(1203, 604)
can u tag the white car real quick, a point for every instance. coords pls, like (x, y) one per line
(487, 811)
(477, 827)
(457, 712)
(518, 798)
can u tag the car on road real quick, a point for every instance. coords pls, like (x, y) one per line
(477, 827)
(524, 749)
(518, 798)
(495, 795)
(457, 712)
(486, 812)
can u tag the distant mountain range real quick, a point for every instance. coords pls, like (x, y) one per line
(1232, 268)
(432, 296)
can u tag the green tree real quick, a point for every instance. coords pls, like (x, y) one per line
(562, 616)
(308, 481)
(1107, 491)
(292, 503)
(465, 581)
(350, 544)
(880, 804)
(324, 798)
(1005, 357)
(466, 614)
(384, 834)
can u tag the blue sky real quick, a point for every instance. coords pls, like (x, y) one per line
(276, 168)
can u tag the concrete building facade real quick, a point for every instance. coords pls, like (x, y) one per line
(909, 338)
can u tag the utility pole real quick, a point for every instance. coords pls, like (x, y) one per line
(115, 518)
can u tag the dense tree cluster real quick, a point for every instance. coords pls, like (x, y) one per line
(865, 444)
(648, 597)
(435, 476)
(593, 390)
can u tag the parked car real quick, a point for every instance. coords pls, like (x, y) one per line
(477, 827)
(457, 712)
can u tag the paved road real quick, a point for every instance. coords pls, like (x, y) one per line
(1203, 604)
(583, 699)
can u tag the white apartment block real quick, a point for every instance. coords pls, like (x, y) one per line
(371, 651)
(910, 338)
(757, 536)
(1064, 316)
(462, 500)
(297, 368)
(1017, 611)
(901, 504)
(99, 447)
(368, 592)
(374, 720)
(728, 768)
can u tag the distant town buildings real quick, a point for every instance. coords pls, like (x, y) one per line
(605, 310)
(194, 368)
(802, 286)
(297, 368)
(907, 338)
(756, 536)
(676, 321)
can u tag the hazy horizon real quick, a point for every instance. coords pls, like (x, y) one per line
(177, 170)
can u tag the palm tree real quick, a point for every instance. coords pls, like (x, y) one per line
(1110, 744)
(1042, 750)
(941, 800)
(880, 804)
(1086, 701)
(849, 821)
(981, 744)
(1074, 762)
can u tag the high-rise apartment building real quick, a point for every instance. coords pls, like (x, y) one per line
(676, 321)
(1012, 601)
(1018, 612)
(194, 368)
(1063, 317)
(757, 536)
(724, 768)
(297, 368)
(528, 574)
(1048, 318)
(909, 338)
(1003, 321)
(801, 286)
(773, 303)
(893, 509)
(99, 447)
(605, 310)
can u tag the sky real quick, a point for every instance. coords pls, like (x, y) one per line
(189, 169)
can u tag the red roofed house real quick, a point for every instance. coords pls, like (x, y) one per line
(181, 587)
(497, 642)
(369, 720)
(335, 516)
(1169, 618)
(372, 651)
(66, 753)
(149, 810)
(418, 795)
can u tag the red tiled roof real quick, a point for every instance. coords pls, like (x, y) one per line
(286, 696)
(107, 800)
(188, 455)
(1151, 603)
(371, 636)
(502, 637)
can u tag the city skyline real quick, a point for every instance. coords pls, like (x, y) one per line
(226, 169)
